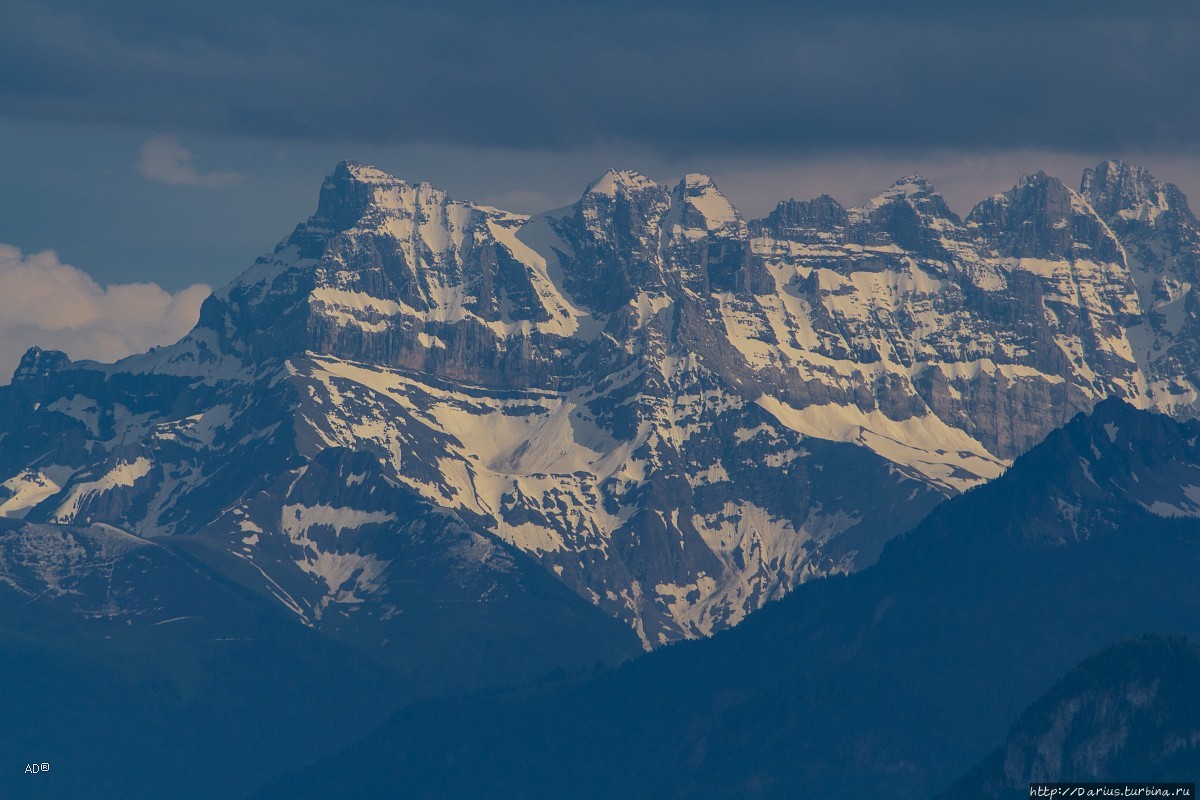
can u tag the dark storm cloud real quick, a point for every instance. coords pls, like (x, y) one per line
(672, 77)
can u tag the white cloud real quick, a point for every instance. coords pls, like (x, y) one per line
(53, 305)
(165, 160)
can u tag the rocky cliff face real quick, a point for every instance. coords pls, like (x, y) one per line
(678, 413)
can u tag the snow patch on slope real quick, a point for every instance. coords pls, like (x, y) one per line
(943, 455)
(123, 474)
(345, 574)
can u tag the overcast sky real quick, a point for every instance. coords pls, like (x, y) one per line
(171, 142)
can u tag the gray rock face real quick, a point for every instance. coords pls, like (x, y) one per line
(678, 413)
(1161, 241)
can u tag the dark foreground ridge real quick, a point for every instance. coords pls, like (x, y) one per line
(1129, 713)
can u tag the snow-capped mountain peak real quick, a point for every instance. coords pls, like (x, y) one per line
(614, 182)
(702, 207)
(909, 185)
(1119, 189)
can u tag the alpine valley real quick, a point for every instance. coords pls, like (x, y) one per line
(451, 447)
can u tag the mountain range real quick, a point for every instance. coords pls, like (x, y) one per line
(444, 447)
(678, 413)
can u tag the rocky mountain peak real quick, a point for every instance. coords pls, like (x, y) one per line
(350, 191)
(621, 196)
(697, 180)
(614, 182)
(359, 196)
(366, 194)
(909, 213)
(1040, 217)
(914, 189)
(804, 220)
(1115, 460)
(1117, 189)
(914, 183)
(614, 231)
(38, 363)
(702, 207)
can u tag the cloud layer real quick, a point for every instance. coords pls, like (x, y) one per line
(165, 160)
(672, 76)
(53, 305)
